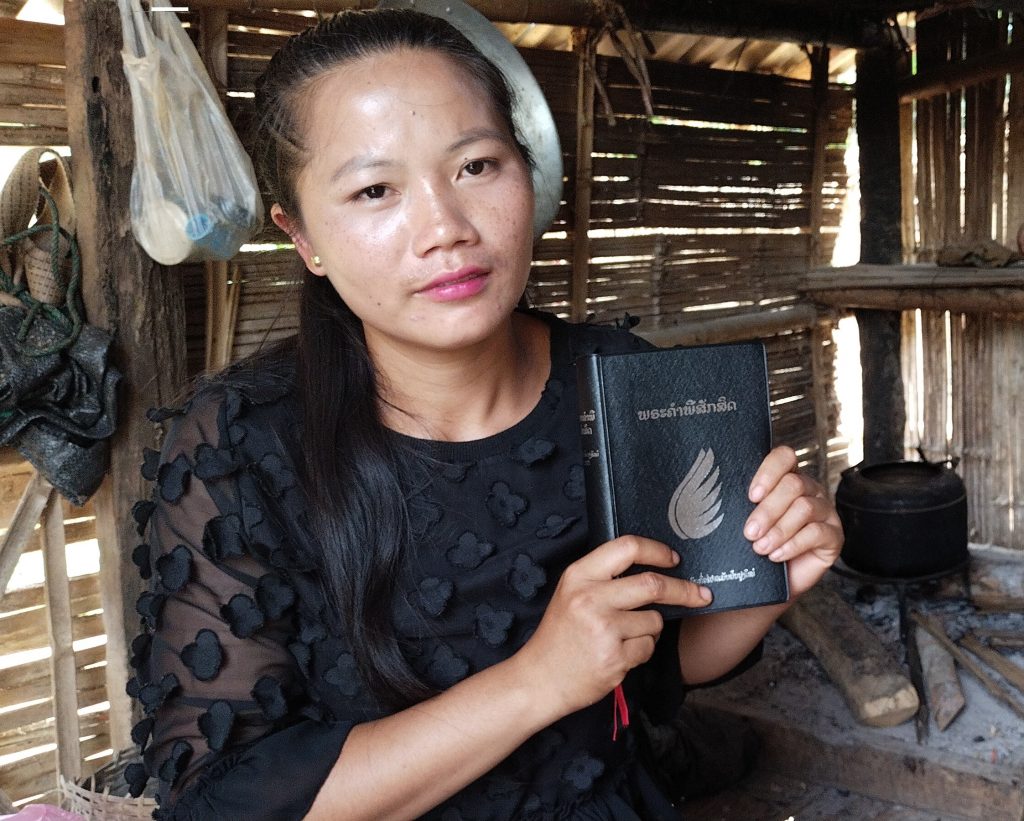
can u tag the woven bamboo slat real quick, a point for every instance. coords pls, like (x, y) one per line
(27, 631)
(21, 682)
(82, 587)
(91, 684)
(932, 436)
(35, 775)
(30, 135)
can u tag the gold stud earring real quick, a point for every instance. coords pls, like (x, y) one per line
(316, 260)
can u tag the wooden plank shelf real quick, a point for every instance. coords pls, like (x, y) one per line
(906, 287)
(910, 276)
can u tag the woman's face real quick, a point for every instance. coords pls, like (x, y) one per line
(416, 201)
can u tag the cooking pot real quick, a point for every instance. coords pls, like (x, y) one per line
(903, 520)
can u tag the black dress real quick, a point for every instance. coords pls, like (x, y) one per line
(244, 674)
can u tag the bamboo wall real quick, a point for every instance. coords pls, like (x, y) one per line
(964, 372)
(26, 702)
(32, 85)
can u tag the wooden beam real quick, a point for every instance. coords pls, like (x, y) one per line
(953, 76)
(549, 12)
(33, 44)
(734, 328)
(1004, 301)
(62, 659)
(128, 294)
(794, 22)
(924, 276)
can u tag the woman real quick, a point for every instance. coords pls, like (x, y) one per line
(372, 591)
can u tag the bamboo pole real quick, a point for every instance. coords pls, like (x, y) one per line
(22, 525)
(585, 46)
(819, 82)
(908, 212)
(821, 334)
(62, 660)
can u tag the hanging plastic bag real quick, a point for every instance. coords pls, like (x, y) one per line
(194, 194)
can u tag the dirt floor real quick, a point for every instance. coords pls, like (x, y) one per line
(768, 797)
(818, 762)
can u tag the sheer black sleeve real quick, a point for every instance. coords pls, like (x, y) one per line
(221, 691)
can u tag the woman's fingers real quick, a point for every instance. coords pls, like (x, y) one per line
(779, 462)
(617, 556)
(794, 520)
(613, 559)
(650, 587)
(792, 504)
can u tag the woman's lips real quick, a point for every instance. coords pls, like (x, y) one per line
(461, 284)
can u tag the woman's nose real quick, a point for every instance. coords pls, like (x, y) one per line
(443, 220)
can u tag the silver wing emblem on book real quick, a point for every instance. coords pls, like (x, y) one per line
(693, 509)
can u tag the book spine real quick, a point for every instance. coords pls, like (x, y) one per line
(597, 469)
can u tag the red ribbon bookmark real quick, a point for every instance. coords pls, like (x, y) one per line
(620, 712)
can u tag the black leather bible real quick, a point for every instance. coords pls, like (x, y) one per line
(671, 441)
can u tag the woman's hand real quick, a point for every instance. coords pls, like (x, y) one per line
(794, 520)
(592, 632)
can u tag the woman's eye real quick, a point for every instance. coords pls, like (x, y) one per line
(476, 167)
(373, 192)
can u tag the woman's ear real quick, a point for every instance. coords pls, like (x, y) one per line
(292, 229)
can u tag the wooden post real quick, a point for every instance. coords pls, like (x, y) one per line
(62, 662)
(820, 335)
(819, 82)
(138, 301)
(908, 215)
(585, 45)
(878, 134)
(213, 45)
(1015, 165)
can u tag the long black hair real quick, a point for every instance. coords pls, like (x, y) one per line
(350, 463)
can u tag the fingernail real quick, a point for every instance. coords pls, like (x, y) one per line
(705, 594)
(775, 555)
(752, 530)
(760, 545)
(757, 493)
(676, 558)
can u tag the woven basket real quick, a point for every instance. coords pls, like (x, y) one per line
(102, 806)
(102, 796)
